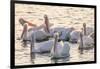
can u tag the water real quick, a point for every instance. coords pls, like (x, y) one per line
(64, 17)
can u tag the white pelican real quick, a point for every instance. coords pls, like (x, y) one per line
(40, 34)
(59, 49)
(75, 35)
(85, 41)
(45, 46)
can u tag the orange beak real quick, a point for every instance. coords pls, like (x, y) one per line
(30, 24)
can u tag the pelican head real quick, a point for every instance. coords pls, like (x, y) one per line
(56, 36)
(22, 21)
(45, 16)
(84, 24)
